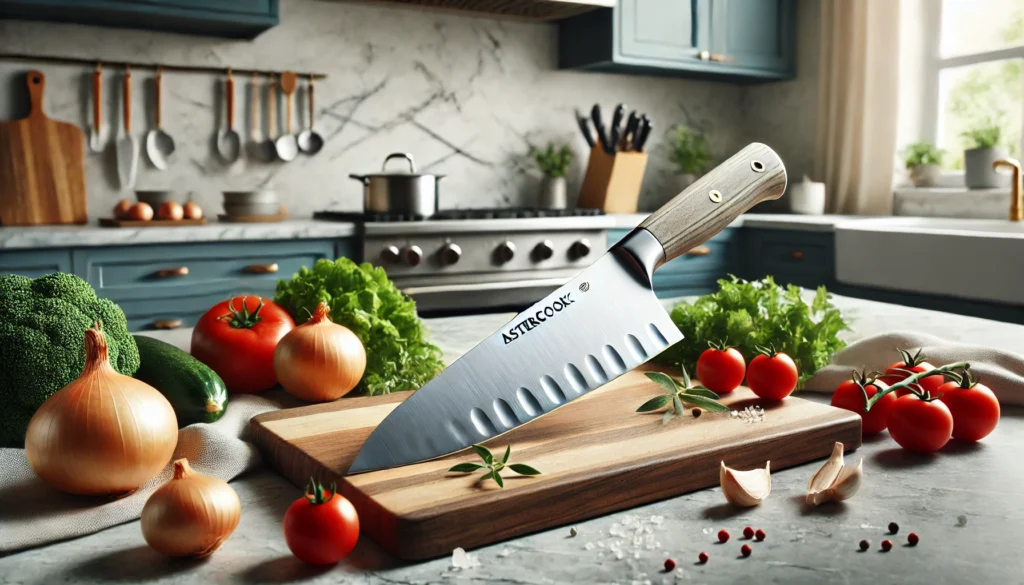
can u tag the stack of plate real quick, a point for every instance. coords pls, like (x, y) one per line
(252, 206)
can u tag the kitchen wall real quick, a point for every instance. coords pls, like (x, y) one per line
(463, 94)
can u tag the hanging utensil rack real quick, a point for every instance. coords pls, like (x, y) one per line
(215, 69)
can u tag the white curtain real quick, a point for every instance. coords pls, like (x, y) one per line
(857, 112)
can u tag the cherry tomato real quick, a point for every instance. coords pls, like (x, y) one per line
(721, 370)
(237, 338)
(914, 363)
(975, 409)
(920, 425)
(322, 527)
(850, 396)
(772, 375)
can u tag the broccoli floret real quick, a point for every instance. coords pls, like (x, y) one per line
(42, 342)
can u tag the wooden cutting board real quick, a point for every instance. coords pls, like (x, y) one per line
(42, 174)
(596, 455)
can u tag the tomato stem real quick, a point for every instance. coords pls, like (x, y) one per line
(243, 319)
(315, 492)
(910, 383)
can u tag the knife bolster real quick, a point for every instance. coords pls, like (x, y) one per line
(642, 252)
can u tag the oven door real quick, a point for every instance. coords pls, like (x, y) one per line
(469, 293)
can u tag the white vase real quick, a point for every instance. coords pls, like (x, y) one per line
(552, 193)
(925, 175)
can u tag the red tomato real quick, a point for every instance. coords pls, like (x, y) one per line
(850, 396)
(772, 375)
(915, 363)
(322, 527)
(920, 425)
(721, 371)
(237, 338)
(975, 410)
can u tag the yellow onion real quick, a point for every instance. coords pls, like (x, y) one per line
(190, 515)
(319, 360)
(104, 433)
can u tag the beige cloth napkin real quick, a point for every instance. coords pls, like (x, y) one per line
(1002, 371)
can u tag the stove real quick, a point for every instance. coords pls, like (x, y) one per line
(465, 261)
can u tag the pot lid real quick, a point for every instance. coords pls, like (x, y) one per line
(400, 172)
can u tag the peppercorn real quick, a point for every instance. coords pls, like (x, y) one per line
(886, 545)
(912, 539)
(702, 558)
(893, 528)
(864, 545)
(696, 412)
(748, 532)
(723, 536)
(759, 535)
(670, 565)
(745, 550)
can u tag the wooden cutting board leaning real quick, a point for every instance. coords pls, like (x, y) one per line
(596, 455)
(42, 174)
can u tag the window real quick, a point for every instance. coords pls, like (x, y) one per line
(974, 72)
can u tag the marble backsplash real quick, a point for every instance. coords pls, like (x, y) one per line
(464, 94)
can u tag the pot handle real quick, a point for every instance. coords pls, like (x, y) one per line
(361, 178)
(405, 155)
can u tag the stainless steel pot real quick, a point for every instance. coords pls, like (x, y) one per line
(406, 192)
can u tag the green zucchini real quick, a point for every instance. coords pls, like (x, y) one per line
(196, 392)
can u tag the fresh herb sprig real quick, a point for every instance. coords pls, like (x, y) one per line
(677, 394)
(493, 466)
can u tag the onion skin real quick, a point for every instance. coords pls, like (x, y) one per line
(140, 212)
(191, 515)
(104, 433)
(319, 361)
(192, 210)
(121, 209)
(170, 210)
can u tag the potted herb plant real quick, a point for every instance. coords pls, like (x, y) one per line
(924, 161)
(690, 153)
(987, 148)
(553, 161)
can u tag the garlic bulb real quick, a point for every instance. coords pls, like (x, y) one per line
(745, 488)
(835, 480)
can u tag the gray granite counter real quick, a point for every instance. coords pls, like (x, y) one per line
(57, 236)
(922, 494)
(778, 221)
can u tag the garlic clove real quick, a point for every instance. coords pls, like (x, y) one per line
(848, 482)
(745, 488)
(826, 476)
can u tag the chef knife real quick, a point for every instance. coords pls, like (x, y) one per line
(595, 116)
(642, 133)
(600, 324)
(581, 121)
(616, 131)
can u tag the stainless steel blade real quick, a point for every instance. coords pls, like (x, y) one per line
(598, 326)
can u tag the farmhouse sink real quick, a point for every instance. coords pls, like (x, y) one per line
(979, 259)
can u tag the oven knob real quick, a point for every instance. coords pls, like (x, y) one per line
(580, 249)
(544, 250)
(449, 254)
(412, 255)
(506, 251)
(391, 254)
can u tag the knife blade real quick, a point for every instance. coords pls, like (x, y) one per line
(642, 133)
(581, 121)
(616, 131)
(595, 117)
(629, 134)
(602, 323)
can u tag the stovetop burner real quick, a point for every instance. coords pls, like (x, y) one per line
(450, 214)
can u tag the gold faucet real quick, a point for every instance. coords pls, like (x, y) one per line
(1016, 187)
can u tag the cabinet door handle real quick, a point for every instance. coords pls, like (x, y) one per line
(167, 324)
(796, 255)
(699, 251)
(172, 272)
(262, 268)
(716, 57)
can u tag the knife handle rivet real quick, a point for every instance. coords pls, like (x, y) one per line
(715, 195)
(757, 165)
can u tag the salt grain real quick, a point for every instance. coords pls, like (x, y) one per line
(504, 552)
(463, 560)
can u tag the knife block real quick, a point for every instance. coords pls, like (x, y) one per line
(612, 183)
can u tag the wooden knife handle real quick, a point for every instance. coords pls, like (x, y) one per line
(752, 175)
(229, 90)
(157, 86)
(126, 99)
(97, 97)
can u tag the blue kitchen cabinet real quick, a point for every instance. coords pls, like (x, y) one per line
(219, 18)
(802, 258)
(697, 271)
(35, 263)
(731, 40)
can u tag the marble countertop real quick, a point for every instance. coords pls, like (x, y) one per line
(922, 494)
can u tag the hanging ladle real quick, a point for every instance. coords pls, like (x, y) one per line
(309, 141)
(229, 143)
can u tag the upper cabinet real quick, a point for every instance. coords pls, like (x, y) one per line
(736, 40)
(242, 19)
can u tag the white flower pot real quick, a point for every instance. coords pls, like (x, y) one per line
(925, 175)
